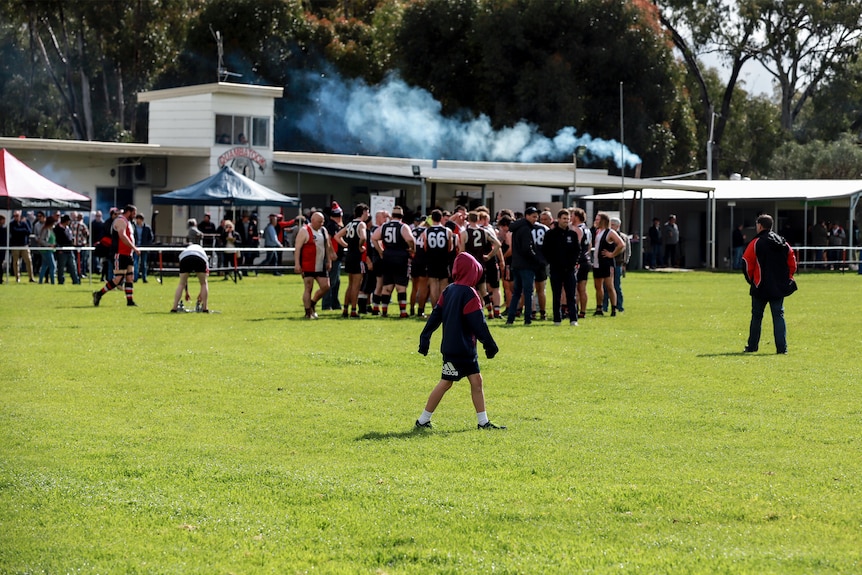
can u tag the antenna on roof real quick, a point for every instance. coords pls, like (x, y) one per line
(223, 73)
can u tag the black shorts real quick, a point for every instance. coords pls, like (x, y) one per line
(438, 270)
(315, 274)
(123, 262)
(394, 272)
(604, 269)
(492, 274)
(418, 267)
(542, 274)
(354, 265)
(453, 371)
(193, 265)
(584, 271)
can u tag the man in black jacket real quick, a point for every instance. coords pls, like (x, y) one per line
(562, 250)
(526, 259)
(768, 264)
(65, 251)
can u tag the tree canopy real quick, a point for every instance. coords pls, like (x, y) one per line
(72, 68)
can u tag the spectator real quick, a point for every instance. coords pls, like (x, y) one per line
(207, 226)
(193, 234)
(80, 239)
(97, 231)
(105, 247)
(820, 239)
(837, 235)
(34, 240)
(738, 245)
(65, 253)
(4, 242)
(47, 241)
(670, 239)
(333, 226)
(143, 238)
(249, 237)
(231, 240)
(19, 241)
(655, 244)
(270, 240)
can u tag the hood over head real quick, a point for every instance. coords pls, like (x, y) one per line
(466, 271)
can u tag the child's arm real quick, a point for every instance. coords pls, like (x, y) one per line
(477, 323)
(431, 325)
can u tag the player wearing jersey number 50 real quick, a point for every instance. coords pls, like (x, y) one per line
(123, 246)
(459, 310)
(314, 255)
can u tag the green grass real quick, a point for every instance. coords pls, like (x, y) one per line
(252, 441)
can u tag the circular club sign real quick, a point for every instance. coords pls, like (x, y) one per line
(242, 160)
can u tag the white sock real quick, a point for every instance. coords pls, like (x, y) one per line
(482, 416)
(425, 417)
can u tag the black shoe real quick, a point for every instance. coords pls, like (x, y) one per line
(782, 352)
(131, 303)
(426, 425)
(97, 297)
(613, 312)
(598, 312)
(749, 349)
(174, 311)
(490, 425)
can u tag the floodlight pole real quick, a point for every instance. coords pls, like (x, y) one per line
(622, 162)
(710, 200)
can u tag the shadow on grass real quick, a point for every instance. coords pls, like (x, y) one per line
(732, 354)
(407, 434)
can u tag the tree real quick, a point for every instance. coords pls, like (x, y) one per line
(835, 108)
(94, 57)
(805, 42)
(555, 64)
(705, 26)
(841, 159)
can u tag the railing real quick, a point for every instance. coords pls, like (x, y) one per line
(167, 260)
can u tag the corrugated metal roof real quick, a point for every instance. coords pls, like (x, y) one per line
(733, 190)
(85, 147)
(465, 173)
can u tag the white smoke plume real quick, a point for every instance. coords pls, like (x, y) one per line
(394, 119)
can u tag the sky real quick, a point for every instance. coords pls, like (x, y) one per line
(757, 80)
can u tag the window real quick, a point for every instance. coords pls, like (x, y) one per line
(242, 130)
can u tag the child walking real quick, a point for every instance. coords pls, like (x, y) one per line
(459, 310)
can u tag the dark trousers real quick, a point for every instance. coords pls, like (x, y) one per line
(564, 280)
(330, 298)
(66, 263)
(779, 328)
